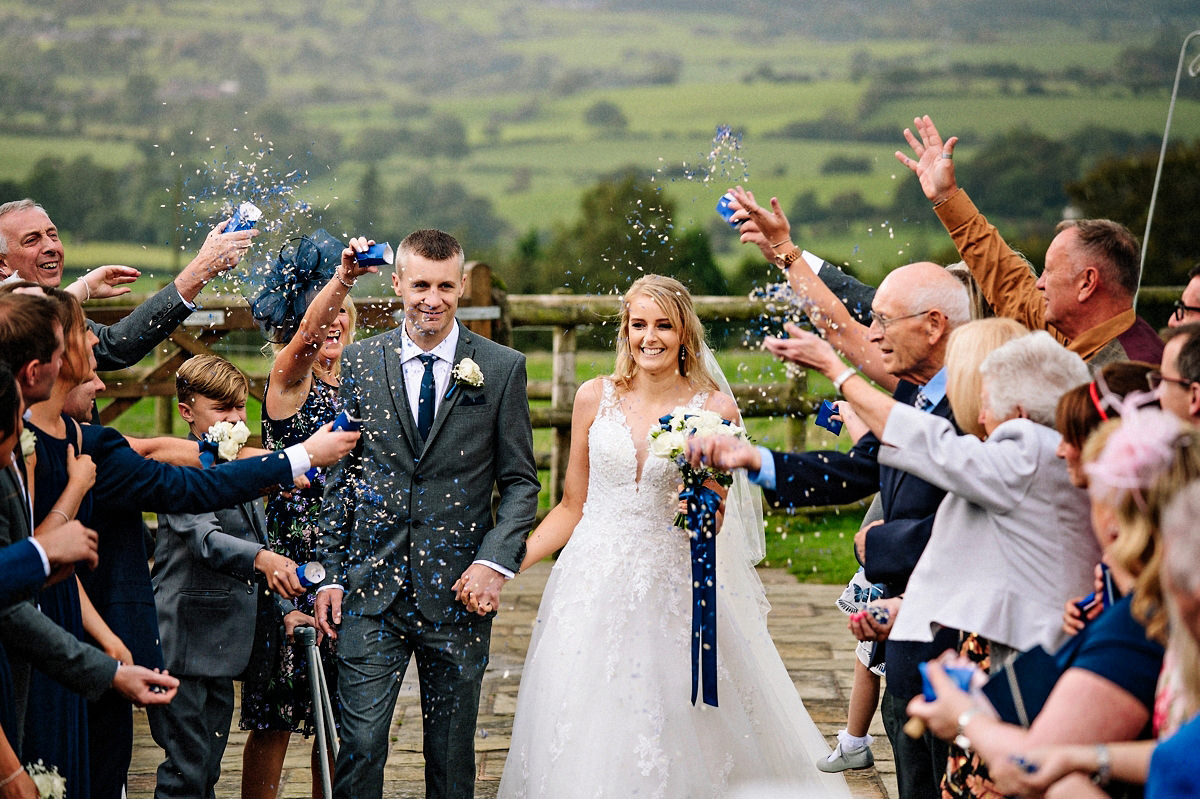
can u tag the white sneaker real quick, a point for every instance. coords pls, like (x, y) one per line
(842, 759)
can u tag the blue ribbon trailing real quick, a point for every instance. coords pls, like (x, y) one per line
(702, 504)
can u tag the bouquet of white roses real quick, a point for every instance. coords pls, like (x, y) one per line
(223, 441)
(670, 441)
(49, 783)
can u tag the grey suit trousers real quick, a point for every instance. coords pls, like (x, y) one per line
(373, 654)
(192, 730)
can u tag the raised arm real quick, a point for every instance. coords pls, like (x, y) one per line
(555, 530)
(1003, 274)
(293, 365)
(771, 232)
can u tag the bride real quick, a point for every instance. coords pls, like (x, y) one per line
(604, 706)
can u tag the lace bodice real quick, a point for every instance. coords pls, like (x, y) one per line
(609, 660)
(613, 482)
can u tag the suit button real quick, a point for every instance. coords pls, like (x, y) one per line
(416, 523)
(418, 478)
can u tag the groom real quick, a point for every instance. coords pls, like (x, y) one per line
(415, 557)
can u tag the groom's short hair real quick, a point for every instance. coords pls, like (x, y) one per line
(435, 245)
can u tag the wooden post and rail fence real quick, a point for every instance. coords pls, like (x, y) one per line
(488, 313)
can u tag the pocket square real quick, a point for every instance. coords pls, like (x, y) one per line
(469, 399)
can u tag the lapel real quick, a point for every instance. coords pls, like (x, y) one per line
(394, 373)
(464, 349)
(19, 503)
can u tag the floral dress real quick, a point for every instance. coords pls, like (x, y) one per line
(282, 699)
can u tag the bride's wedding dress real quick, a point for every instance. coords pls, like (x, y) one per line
(604, 706)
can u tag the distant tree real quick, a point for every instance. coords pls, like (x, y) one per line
(623, 231)
(1119, 188)
(426, 203)
(846, 165)
(695, 266)
(370, 215)
(604, 114)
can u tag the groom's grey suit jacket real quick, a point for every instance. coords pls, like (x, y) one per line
(397, 511)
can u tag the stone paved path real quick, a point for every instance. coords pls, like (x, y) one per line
(809, 632)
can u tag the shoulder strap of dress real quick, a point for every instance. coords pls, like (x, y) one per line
(608, 395)
(699, 399)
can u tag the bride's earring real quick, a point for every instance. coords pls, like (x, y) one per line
(682, 361)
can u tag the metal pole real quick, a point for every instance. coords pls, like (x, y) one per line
(1193, 69)
(307, 636)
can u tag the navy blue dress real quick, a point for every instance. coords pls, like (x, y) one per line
(57, 732)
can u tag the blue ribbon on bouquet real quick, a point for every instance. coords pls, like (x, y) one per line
(702, 505)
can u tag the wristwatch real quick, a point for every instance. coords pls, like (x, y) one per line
(788, 258)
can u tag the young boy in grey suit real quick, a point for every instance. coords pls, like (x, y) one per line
(207, 591)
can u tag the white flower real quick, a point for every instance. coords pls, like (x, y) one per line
(668, 444)
(28, 442)
(49, 783)
(468, 372)
(229, 438)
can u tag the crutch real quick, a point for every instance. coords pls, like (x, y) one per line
(322, 706)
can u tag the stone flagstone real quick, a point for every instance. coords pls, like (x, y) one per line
(809, 631)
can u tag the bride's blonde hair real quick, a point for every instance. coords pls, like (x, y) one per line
(676, 302)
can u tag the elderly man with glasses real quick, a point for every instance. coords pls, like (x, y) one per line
(912, 314)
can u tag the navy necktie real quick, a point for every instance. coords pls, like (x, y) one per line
(425, 402)
(921, 402)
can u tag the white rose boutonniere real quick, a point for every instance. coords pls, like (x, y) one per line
(467, 373)
(49, 783)
(28, 442)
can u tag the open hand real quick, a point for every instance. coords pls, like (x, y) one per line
(806, 349)
(934, 165)
(103, 282)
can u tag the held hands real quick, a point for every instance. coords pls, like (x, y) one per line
(103, 282)
(934, 166)
(280, 572)
(479, 588)
(350, 269)
(806, 349)
(328, 446)
(860, 541)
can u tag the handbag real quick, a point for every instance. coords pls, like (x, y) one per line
(1019, 690)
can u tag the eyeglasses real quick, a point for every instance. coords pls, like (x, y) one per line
(1182, 310)
(884, 321)
(1157, 378)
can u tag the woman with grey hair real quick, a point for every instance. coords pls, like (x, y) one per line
(1011, 540)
